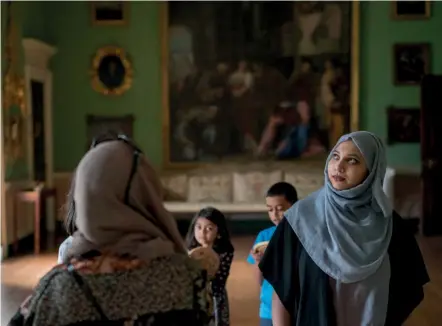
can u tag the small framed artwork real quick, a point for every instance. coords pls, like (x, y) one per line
(411, 10)
(109, 13)
(404, 125)
(97, 125)
(111, 71)
(411, 62)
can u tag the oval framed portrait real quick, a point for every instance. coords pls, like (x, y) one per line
(112, 71)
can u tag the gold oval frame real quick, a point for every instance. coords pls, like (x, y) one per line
(97, 83)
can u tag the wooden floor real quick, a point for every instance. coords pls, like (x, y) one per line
(21, 274)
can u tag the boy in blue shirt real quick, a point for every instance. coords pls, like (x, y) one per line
(279, 198)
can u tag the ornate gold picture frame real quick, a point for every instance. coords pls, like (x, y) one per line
(112, 71)
(109, 13)
(205, 57)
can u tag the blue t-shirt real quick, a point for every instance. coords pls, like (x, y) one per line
(265, 308)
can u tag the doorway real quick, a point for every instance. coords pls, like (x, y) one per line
(38, 130)
(431, 155)
(39, 135)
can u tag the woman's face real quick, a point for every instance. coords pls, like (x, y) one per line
(304, 111)
(242, 65)
(346, 168)
(305, 67)
(222, 68)
(205, 232)
(328, 65)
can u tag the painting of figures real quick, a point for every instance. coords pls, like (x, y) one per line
(256, 80)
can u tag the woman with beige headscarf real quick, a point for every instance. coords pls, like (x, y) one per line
(127, 263)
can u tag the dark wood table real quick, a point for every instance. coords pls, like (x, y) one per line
(38, 197)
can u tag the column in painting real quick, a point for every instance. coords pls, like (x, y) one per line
(308, 23)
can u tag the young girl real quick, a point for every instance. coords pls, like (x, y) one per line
(209, 229)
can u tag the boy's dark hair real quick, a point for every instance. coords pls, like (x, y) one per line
(284, 189)
(222, 243)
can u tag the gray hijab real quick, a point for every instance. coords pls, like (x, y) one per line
(347, 232)
(105, 222)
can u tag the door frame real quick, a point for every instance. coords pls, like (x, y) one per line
(37, 56)
(45, 77)
(3, 222)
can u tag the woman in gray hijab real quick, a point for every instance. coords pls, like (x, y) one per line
(126, 263)
(342, 256)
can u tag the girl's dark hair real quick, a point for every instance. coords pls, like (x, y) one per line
(222, 242)
(69, 220)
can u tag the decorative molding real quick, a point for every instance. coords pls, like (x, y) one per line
(191, 208)
(37, 53)
(185, 207)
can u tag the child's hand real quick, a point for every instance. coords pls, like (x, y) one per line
(276, 120)
(257, 256)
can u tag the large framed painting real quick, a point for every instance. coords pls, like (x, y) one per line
(247, 81)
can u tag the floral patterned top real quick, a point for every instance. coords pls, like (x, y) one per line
(168, 291)
(220, 297)
(220, 280)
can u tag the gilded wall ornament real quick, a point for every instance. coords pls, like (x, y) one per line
(15, 115)
(14, 109)
(112, 71)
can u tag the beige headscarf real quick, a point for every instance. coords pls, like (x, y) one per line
(145, 230)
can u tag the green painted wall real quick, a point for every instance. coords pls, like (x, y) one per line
(378, 34)
(67, 26)
(71, 32)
